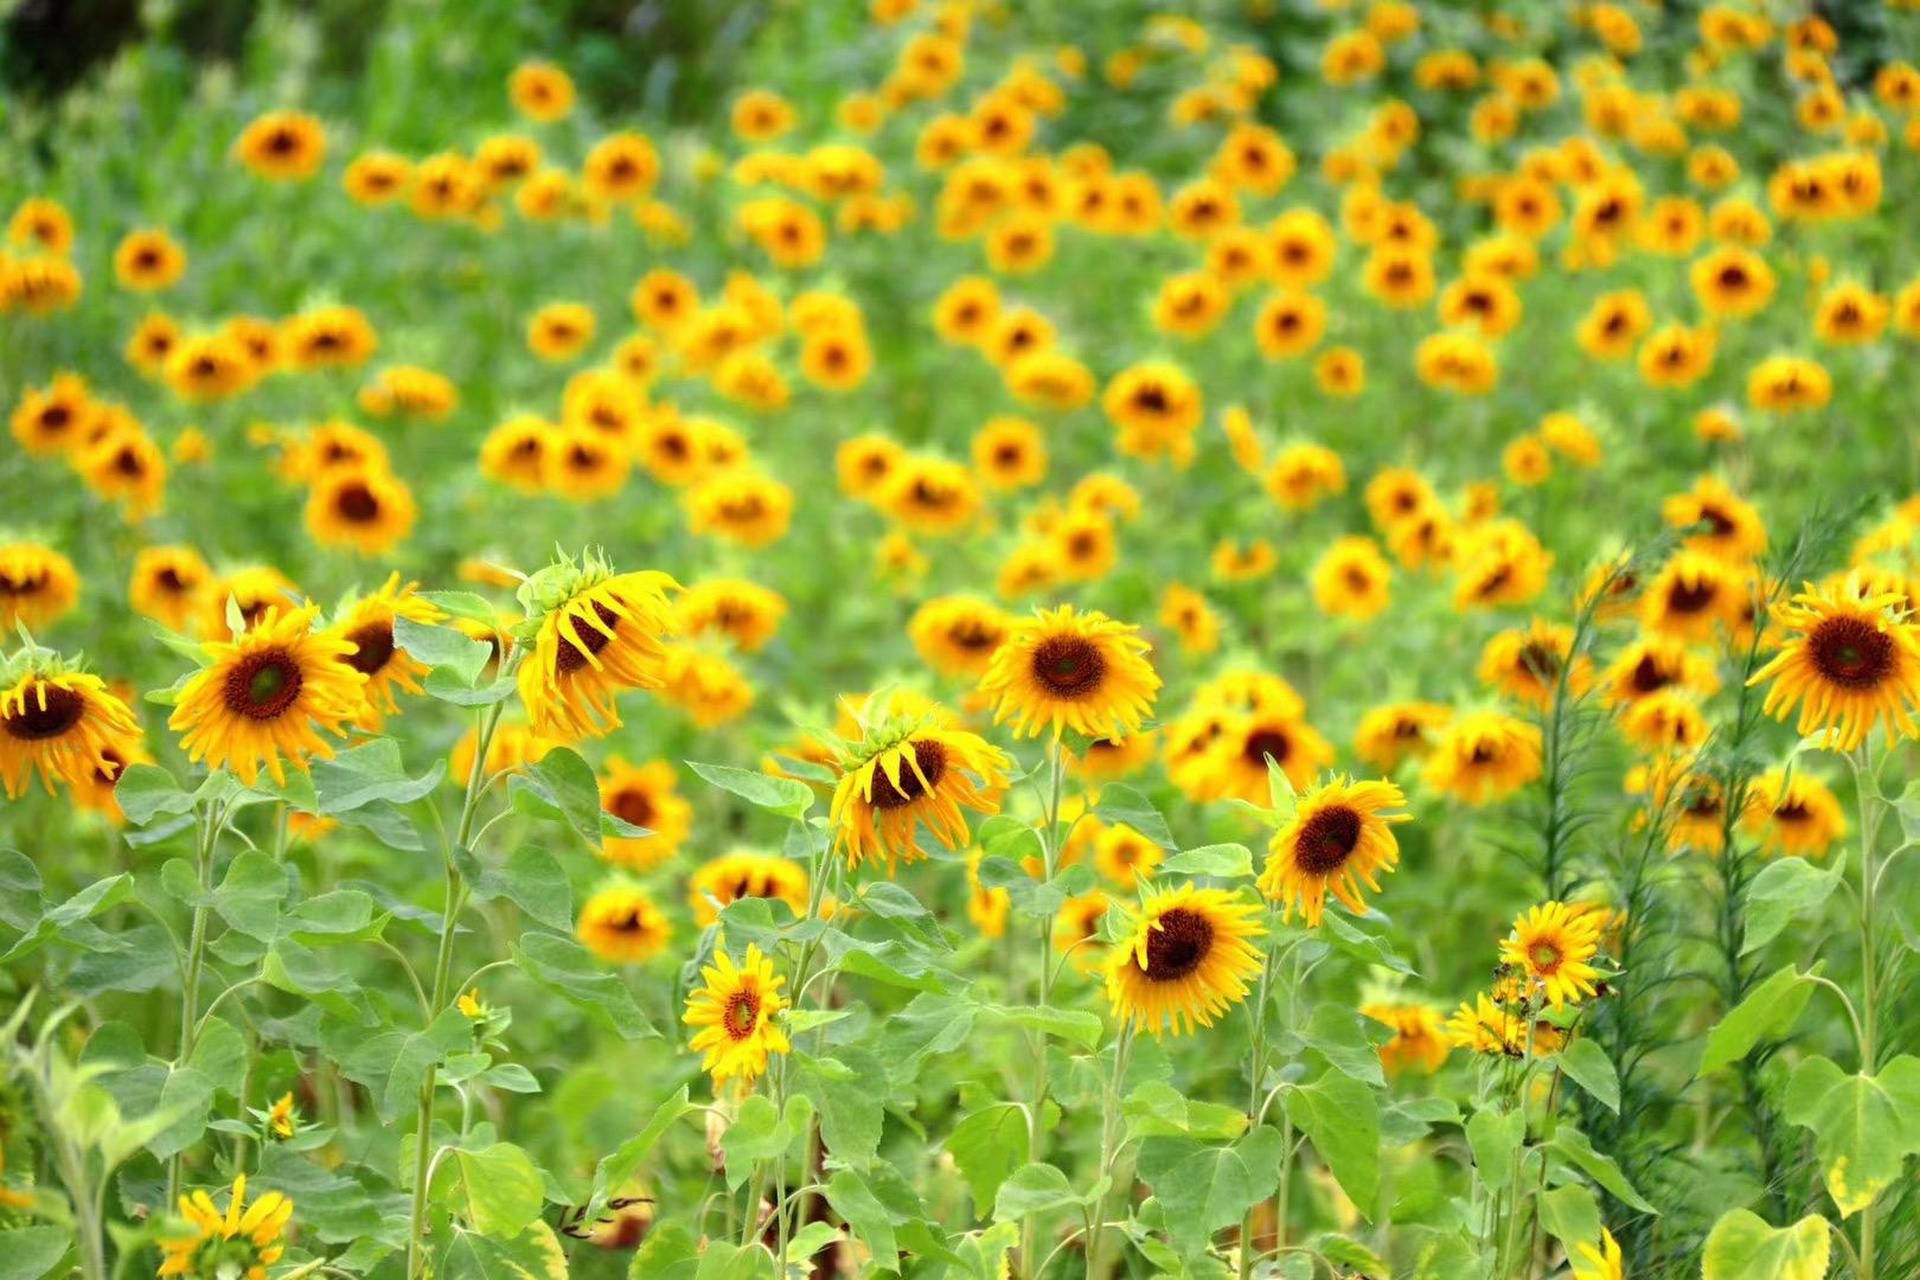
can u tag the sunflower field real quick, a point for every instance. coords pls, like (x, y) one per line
(970, 639)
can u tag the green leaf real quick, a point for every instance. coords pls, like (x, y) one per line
(1864, 1126)
(761, 1133)
(146, 792)
(533, 1254)
(1080, 1026)
(1035, 1188)
(443, 647)
(617, 1169)
(723, 1261)
(1742, 1246)
(1495, 1137)
(338, 916)
(500, 1190)
(562, 787)
(872, 1221)
(1588, 1066)
(1157, 1109)
(1227, 861)
(1345, 1038)
(988, 1145)
(1205, 1188)
(1769, 1011)
(1571, 1215)
(531, 879)
(785, 796)
(1365, 938)
(31, 1252)
(566, 968)
(250, 894)
(370, 772)
(1574, 1145)
(1342, 1117)
(1121, 803)
(843, 1090)
(101, 895)
(670, 1253)
(1786, 889)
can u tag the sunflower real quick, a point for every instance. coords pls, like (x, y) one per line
(622, 925)
(1604, 1262)
(1010, 453)
(261, 696)
(1338, 838)
(1389, 734)
(987, 908)
(63, 724)
(745, 873)
(1487, 1026)
(1183, 959)
(582, 465)
(282, 146)
(253, 590)
(38, 585)
(1651, 663)
(743, 507)
(590, 634)
(541, 91)
(1068, 670)
(1484, 756)
(240, 1243)
(149, 260)
(51, 421)
(1550, 946)
(1692, 595)
(1669, 721)
(125, 464)
(95, 791)
(1236, 764)
(1352, 579)
(515, 452)
(706, 685)
(1124, 856)
(906, 772)
(735, 1011)
(368, 624)
(1191, 618)
(512, 747)
(1850, 662)
(365, 508)
(1717, 521)
(1417, 1043)
(1794, 814)
(744, 612)
(644, 796)
(958, 635)
(1530, 664)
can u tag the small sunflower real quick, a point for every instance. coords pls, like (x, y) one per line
(1184, 960)
(1064, 670)
(1850, 663)
(261, 697)
(1487, 1026)
(590, 634)
(1389, 734)
(1484, 756)
(1418, 1043)
(735, 1011)
(1124, 856)
(169, 585)
(240, 1243)
(622, 925)
(1795, 814)
(911, 772)
(368, 624)
(644, 795)
(745, 873)
(366, 508)
(282, 146)
(958, 635)
(62, 724)
(38, 585)
(1551, 945)
(1236, 764)
(1529, 664)
(745, 612)
(1340, 836)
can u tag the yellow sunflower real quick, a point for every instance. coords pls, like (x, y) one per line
(958, 635)
(1124, 856)
(1184, 960)
(169, 585)
(1064, 670)
(64, 725)
(366, 508)
(1417, 1044)
(240, 1243)
(745, 873)
(1340, 836)
(644, 795)
(1487, 1026)
(1484, 756)
(744, 612)
(1604, 1262)
(38, 585)
(1528, 664)
(621, 925)
(1795, 814)
(367, 624)
(262, 696)
(735, 1011)
(1551, 945)
(1850, 663)
(593, 633)
(911, 772)
(1389, 734)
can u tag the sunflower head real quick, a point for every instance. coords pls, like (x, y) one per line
(907, 772)
(1063, 669)
(62, 724)
(1550, 948)
(1850, 662)
(1184, 960)
(735, 1010)
(588, 634)
(241, 1241)
(1339, 837)
(622, 925)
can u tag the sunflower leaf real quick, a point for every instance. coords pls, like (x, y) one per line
(1119, 803)
(784, 796)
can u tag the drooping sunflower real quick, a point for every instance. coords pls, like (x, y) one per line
(261, 698)
(1850, 663)
(620, 924)
(1063, 669)
(38, 585)
(1551, 945)
(590, 633)
(241, 1242)
(735, 1011)
(367, 624)
(745, 873)
(1340, 837)
(1795, 814)
(644, 795)
(1184, 960)
(1417, 1044)
(909, 771)
(60, 723)
(1484, 756)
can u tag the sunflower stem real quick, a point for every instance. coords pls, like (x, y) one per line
(1036, 1125)
(1867, 795)
(209, 834)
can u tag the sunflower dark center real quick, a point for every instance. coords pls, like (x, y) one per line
(1717, 520)
(742, 1014)
(1540, 662)
(1792, 811)
(373, 647)
(357, 503)
(46, 711)
(568, 656)
(1851, 652)
(931, 756)
(1327, 840)
(1179, 945)
(1544, 957)
(974, 636)
(1694, 597)
(1262, 743)
(263, 685)
(633, 806)
(1068, 666)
